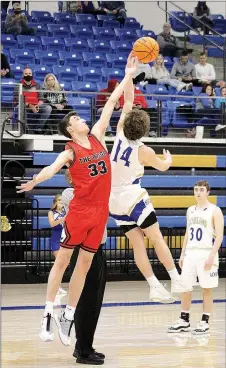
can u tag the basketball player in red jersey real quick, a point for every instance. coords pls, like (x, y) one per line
(89, 166)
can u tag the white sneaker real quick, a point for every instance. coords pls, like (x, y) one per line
(189, 86)
(177, 287)
(143, 83)
(159, 294)
(219, 127)
(64, 328)
(46, 333)
(202, 328)
(179, 326)
(61, 291)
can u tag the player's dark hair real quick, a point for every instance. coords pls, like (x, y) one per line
(136, 124)
(65, 122)
(203, 183)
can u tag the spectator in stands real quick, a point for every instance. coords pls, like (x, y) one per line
(70, 6)
(104, 96)
(202, 12)
(160, 75)
(91, 7)
(55, 97)
(205, 72)
(17, 23)
(35, 110)
(184, 70)
(5, 67)
(5, 4)
(203, 102)
(116, 8)
(221, 103)
(139, 101)
(169, 44)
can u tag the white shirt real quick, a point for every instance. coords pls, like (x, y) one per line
(143, 68)
(159, 73)
(205, 72)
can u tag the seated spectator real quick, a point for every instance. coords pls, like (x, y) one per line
(36, 112)
(17, 23)
(104, 96)
(184, 70)
(5, 4)
(116, 8)
(91, 7)
(202, 12)
(54, 96)
(5, 67)
(70, 6)
(203, 102)
(142, 74)
(218, 104)
(160, 75)
(205, 72)
(169, 44)
(139, 101)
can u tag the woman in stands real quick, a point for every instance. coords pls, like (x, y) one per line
(56, 217)
(55, 97)
(203, 102)
(202, 13)
(160, 75)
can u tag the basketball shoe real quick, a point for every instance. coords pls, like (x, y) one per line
(179, 326)
(202, 328)
(64, 328)
(61, 291)
(46, 333)
(159, 294)
(177, 287)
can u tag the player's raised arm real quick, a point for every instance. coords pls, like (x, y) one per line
(148, 157)
(100, 127)
(48, 172)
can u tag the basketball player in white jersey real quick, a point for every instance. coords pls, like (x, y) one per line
(130, 204)
(199, 257)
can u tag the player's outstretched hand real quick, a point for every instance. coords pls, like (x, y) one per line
(209, 263)
(26, 187)
(132, 64)
(167, 156)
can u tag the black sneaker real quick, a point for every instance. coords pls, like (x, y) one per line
(100, 355)
(92, 359)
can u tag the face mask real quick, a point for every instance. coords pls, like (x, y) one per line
(28, 78)
(17, 11)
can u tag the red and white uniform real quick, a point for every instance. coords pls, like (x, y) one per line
(88, 210)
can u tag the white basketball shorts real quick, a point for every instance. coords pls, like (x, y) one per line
(193, 266)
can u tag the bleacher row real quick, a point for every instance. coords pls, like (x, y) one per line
(150, 182)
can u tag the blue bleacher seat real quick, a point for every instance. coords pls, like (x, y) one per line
(17, 70)
(89, 74)
(101, 85)
(196, 90)
(214, 52)
(86, 20)
(40, 71)
(40, 29)
(67, 86)
(121, 47)
(58, 30)
(6, 99)
(85, 87)
(99, 46)
(145, 33)
(8, 41)
(94, 59)
(82, 105)
(66, 73)
(216, 39)
(53, 43)
(196, 39)
(168, 62)
(78, 45)
(179, 120)
(41, 17)
(66, 18)
(3, 14)
(116, 60)
(29, 42)
(161, 92)
(220, 25)
(83, 33)
(111, 23)
(103, 33)
(125, 34)
(75, 27)
(102, 17)
(131, 22)
(7, 86)
(45, 57)
(71, 58)
(217, 16)
(19, 56)
(186, 96)
(177, 25)
(112, 73)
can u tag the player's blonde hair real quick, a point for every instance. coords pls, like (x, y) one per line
(55, 199)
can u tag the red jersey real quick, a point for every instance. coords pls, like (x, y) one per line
(90, 172)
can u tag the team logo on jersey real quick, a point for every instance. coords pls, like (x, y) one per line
(214, 274)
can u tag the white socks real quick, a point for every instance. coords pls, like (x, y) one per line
(174, 275)
(69, 313)
(153, 281)
(48, 308)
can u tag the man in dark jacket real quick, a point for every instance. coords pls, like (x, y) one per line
(35, 111)
(116, 8)
(17, 23)
(5, 67)
(168, 43)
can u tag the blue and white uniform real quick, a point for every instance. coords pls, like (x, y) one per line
(129, 202)
(201, 235)
(56, 230)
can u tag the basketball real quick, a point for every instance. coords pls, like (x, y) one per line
(146, 49)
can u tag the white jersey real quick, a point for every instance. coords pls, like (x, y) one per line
(126, 168)
(201, 233)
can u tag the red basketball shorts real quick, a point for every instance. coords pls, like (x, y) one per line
(84, 227)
